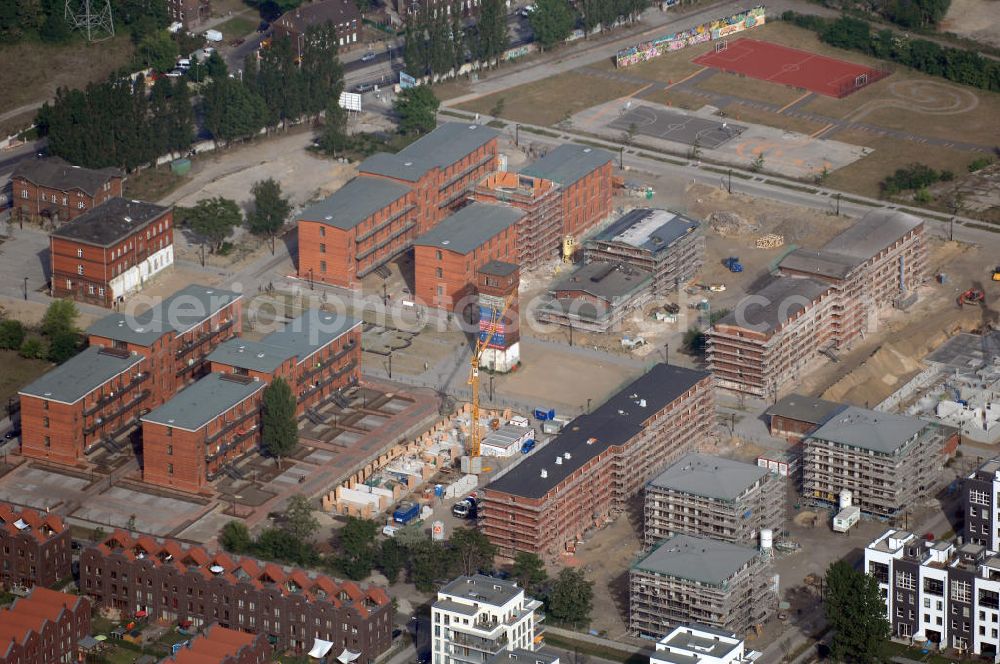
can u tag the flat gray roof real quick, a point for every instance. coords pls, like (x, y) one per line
(783, 298)
(872, 233)
(870, 429)
(250, 355)
(805, 409)
(441, 148)
(696, 559)
(81, 374)
(686, 638)
(354, 202)
(607, 281)
(650, 229)
(824, 263)
(709, 477)
(482, 589)
(177, 313)
(197, 405)
(314, 329)
(470, 227)
(568, 163)
(455, 607)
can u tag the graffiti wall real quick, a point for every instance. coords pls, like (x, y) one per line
(723, 27)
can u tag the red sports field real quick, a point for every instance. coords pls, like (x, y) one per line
(790, 66)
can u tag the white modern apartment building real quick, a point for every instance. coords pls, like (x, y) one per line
(476, 618)
(942, 592)
(701, 644)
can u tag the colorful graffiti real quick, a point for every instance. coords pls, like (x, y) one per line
(717, 29)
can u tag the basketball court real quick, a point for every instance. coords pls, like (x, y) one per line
(775, 63)
(676, 126)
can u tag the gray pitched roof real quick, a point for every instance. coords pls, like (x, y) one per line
(318, 13)
(650, 229)
(697, 559)
(710, 477)
(875, 231)
(615, 422)
(82, 374)
(444, 146)
(805, 409)
(197, 405)
(568, 163)
(110, 222)
(55, 173)
(354, 202)
(177, 313)
(870, 429)
(470, 227)
(783, 298)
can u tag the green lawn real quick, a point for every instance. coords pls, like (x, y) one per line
(237, 26)
(894, 649)
(17, 372)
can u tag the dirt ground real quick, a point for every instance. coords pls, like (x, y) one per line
(975, 19)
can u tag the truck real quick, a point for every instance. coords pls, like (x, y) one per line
(465, 508)
(407, 512)
(213, 35)
(733, 264)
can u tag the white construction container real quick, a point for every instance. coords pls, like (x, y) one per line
(846, 519)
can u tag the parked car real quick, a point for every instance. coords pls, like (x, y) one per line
(368, 57)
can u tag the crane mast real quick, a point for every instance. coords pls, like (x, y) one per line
(481, 346)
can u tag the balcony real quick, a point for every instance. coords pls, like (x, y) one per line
(329, 379)
(489, 646)
(327, 362)
(234, 443)
(458, 176)
(191, 345)
(370, 250)
(385, 224)
(231, 425)
(115, 395)
(109, 417)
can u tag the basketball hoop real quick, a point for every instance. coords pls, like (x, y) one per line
(861, 81)
(721, 46)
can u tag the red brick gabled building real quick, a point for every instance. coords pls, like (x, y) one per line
(191, 12)
(57, 190)
(218, 645)
(447, 257)
(110, 251)
(342, 14)
(317, 354)
(43, 628)
(292, 607)
(35, 548)
(188, 440)
(584, 178)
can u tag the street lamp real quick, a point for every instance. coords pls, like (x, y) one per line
(25, 289)
(310, 279)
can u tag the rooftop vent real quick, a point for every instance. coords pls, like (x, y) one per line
(545, 473)
(328, 217)
(586, 150)
(260, 354)
(128, 219)
(407, 163)
(567, 455)
(558, 461)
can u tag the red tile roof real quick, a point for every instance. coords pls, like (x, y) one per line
(214, 645)
(38, 524)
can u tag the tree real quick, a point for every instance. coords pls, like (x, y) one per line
(60, 316)
(11, 334)
(235, 537)
(429, 563)
(571, 597)
(552, 22)
(158, 51)
(215, 66)
(279, 430)
(417, 109)
(63, 345)
(270, 209)
(333, 137)
(32, 349)
(357, 548)
(212, 219)
(391, 559)
(298, 520)
(498, 107)
(232, 110)
(856, 612)
(529, 571)
(489, 35)
(473, 551)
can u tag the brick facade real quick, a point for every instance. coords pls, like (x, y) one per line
(290, 606)
(223, 646)
(43, 628)
(343, 14)
(54, 189)
(191, 13)
(34, 548)
(584, 178)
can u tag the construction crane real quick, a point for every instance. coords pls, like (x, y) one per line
(481, 345)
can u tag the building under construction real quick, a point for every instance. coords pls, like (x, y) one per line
(713, 497)
(539, 232)
(824, 301)
(587, 473)
(668, 245)
(888, 462)
(694, 579)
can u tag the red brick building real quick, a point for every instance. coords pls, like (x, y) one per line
(188, 440)
(796, 416)
(446, 258)
(110, 251)
(35, 548)
(94, 396)
(343, 14)
(584, 178)
(175, 335)
(43, 628)
(191, 12)
(218, 645)
(57, 190)
(317, 354)
(590, 471)
(291, 607)
(375, 217)
(539, 233)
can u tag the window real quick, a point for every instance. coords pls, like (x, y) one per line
(905, 581)
(440, 290)
(170, 450)
(45, 405)
(79, 253)
(439, 273)
(978, 497)
(961, 591)
(24, 193)
(90, 289)
(438, 254)
(170, 432)
(170, 469)
(322, 266)
(322, 248)
(79, 205)
(45, 421)
(69, 284)
(933, 587)
(100, 291)
(79, 270)
(48, 442)
(322, 231)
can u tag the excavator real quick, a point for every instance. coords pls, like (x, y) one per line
(972, 296)
(996, 273)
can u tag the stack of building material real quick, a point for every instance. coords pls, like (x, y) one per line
(771, 241)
